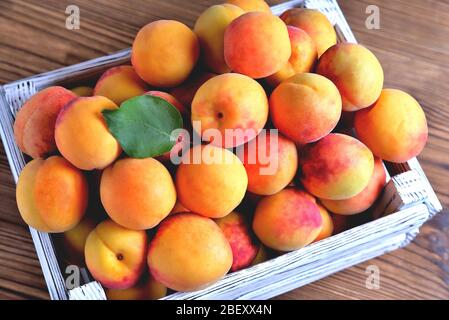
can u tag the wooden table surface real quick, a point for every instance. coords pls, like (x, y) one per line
(412, 45)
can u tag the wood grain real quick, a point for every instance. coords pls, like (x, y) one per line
(412, 46)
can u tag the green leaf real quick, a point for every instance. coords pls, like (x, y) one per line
(143, 126)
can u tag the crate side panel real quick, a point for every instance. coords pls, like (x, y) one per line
(299, 262)
(43, 244)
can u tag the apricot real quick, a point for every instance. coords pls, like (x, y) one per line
(120, 84)
(328, 225)
(336, 167)
(211, 181)
(210, 28)
(364, 199)
(302, 59)
(394, 127)
(185, 92)
(83, 91)
(271, 162)
(51, 194)
(307, 195)
(137, 193)
(164, 53)
(146, 289)
(75, 239)
(355, 71)
(115, 256)
(316, 24)
(170, 99)
(244, 244)
(34, 127)
(189, 252)
(234, 106)
(178, 208)
(251, 5)
(287, 220)
(82, 135)
(305, 107)
(257, 44)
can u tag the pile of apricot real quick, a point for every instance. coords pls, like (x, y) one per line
(144, 225)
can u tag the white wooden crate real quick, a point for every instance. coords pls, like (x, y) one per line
(407, 202)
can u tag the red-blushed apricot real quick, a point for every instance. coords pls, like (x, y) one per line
(251, 5)
(244, 243)
(234, 106)
(146, 289)
(287, 220)
(305, 107)
(302, 59)
(34, 127)
(164, 53)
(186, 91)
(170, 99)
(394, 127)
(328, 225)
(257, 44)
(336, 167)
(120, 84)
(211, 181)
(307, 195)
(83, 91)
(51, 194)
(210, 28)
(316, 24)
(355, 71)
(115, 256)
(137, 193)
(189, 252)
(82, 135)
(364, 199)
(271, 162)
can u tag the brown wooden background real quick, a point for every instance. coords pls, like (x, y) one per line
(412, 45)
